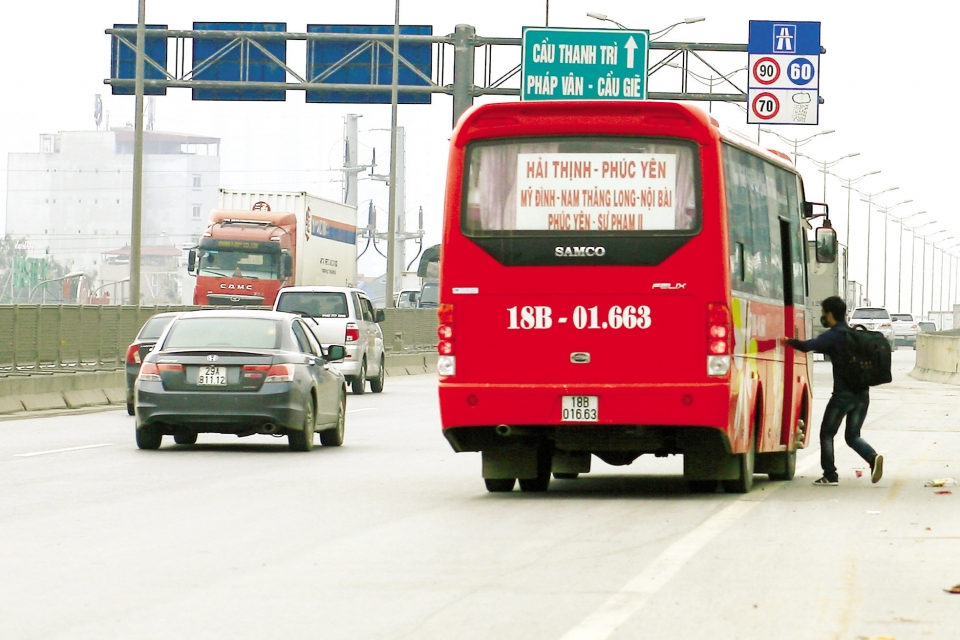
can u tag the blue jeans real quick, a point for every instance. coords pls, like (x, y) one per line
(852, 406)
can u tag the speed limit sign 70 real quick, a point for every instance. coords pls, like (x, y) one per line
(766, 71)
(765, 105)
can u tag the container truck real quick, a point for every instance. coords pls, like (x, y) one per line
(257, 242)
(826, 279)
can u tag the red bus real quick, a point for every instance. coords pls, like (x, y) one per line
(614, 282)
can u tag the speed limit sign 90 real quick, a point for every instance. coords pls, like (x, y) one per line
(765, 106)
(766, 71)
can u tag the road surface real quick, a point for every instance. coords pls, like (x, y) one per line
(394, 536)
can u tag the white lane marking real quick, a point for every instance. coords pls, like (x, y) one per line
(43, 453)
(619, 607)
(356, 410)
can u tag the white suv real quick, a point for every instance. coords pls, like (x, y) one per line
(875, 319)
(342, 315)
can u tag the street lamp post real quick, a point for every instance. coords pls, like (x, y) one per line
(869, 200)
(933, 267)
(913, 255)
(824, 166)
(900, 255)
(654, 35)
(797, 142)
(886, 211)
(923, 271)
(847, 184)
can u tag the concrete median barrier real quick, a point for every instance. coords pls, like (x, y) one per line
(52, 391)
(938, 357)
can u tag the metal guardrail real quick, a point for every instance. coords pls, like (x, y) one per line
(56, 338)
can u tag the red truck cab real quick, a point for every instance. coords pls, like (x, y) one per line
(244, 258)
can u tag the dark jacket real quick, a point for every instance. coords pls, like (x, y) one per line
(831, 343)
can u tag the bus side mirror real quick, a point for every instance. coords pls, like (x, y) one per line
(826, 244)
(192, 261)
(287, 262)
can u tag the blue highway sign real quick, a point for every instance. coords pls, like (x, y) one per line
(784, 67)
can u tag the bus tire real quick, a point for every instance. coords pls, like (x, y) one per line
(787, 462)
(747, 460)
(499, 485)
(542, 481)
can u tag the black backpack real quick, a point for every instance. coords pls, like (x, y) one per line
(865, 361)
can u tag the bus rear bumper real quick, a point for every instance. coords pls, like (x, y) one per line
(630, 415)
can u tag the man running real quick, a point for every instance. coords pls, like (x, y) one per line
(848, 401)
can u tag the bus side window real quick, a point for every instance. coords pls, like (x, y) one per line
(738, 211)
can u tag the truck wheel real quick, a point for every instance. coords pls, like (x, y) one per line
(376, 385)
(130, 409)
(334, 437)
(149, 438)
(359, 384)
(303, 440)
(499, 485)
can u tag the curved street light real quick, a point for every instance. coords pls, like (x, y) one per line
(72, 274)
(901, 220)
(654, 35)
(886, 211)
(823, 166)
(797, 142)
(848, 183)
(869, 200)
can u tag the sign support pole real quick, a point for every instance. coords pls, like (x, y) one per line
(394, 98)
(137, 218)
(463, 68)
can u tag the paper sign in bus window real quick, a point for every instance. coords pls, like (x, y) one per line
(597, 191)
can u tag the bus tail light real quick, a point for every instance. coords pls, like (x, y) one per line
(149, 371)
(447, 362)
(719, 339)
(133, 354)
(353, 332)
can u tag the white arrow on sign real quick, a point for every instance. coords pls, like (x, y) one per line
(631, 46)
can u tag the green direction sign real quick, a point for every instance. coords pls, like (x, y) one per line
(584, 64)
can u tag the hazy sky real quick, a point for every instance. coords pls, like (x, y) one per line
(879, 79)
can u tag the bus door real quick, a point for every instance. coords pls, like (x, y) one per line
(789, 327)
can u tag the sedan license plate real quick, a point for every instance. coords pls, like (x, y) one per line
(580, 408)
(212, 376)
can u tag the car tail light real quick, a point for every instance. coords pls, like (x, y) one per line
(353, 332)
(884, 325)
(913, 326)
(133, 354)
(720, 339)
(169, 367)
(149, 371)
(254, 370)
(280, 373)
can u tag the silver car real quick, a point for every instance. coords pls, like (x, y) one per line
(905, 328)
(875, 319)
(345, 316)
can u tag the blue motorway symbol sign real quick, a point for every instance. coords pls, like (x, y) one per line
(584, 64)
(784, 66)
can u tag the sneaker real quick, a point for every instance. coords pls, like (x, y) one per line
(823, 482)
(876, 469)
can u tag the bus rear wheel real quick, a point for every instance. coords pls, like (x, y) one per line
(788, 462)
(744, 483)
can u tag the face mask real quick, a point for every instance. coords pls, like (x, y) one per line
(823, 321)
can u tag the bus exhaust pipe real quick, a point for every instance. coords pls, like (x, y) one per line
(504, 430)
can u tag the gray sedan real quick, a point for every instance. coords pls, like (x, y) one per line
(243, 373)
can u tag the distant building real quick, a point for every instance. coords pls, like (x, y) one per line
(72, 199)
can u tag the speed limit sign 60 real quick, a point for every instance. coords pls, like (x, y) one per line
(766, 71)
(765, 106)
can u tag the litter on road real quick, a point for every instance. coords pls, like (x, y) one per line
(954, 589)
(941, 482)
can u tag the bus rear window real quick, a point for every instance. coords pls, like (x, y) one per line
(580, 185)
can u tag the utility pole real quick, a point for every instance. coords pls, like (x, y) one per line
(394, 99)
(137, 217)
(350, 169)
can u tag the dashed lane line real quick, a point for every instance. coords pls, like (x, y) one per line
(43, 453)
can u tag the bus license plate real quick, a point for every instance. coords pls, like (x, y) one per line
(580, 408)
(212, 376)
